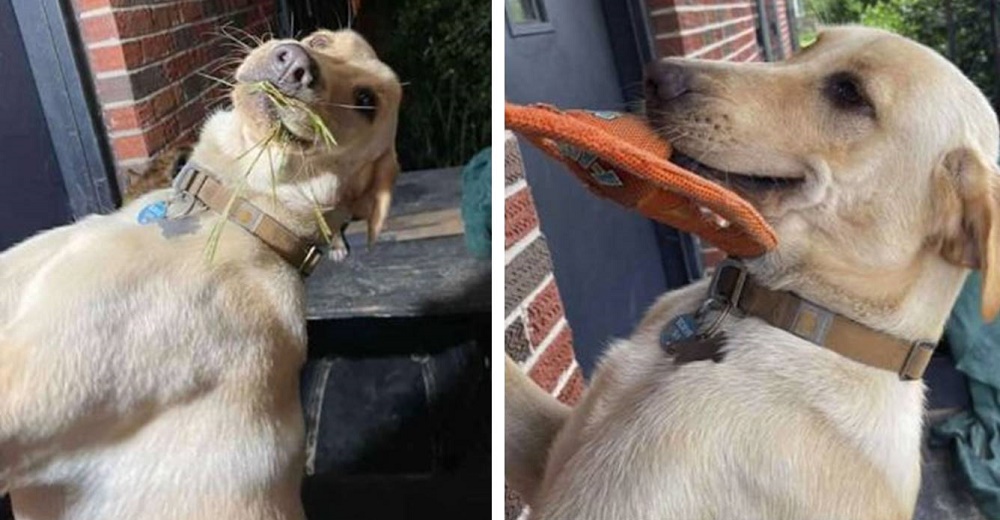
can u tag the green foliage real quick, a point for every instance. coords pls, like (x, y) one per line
(441, 51)
(837, 11)
(925, 22)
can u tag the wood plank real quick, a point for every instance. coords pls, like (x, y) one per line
(427, 190)
(420, 265)
(410, 278)
(430, 224)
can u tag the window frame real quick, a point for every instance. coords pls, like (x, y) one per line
(529, 28)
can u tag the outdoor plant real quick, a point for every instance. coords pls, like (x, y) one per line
(441, 51)
(970, 40)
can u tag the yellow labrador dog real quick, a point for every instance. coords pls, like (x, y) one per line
(875, 161)
(139, 379)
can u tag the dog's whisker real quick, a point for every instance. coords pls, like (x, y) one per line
(232, 39)
(217, 80)
(250, 36)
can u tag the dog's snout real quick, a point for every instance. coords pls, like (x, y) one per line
(666, 80)
(292, 68)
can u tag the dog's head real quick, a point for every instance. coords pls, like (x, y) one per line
(871, 155)
(283, 87)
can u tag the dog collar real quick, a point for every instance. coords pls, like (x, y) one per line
(733, 291)
(195, 186)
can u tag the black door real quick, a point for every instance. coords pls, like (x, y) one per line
(32, 195)
(610, 263)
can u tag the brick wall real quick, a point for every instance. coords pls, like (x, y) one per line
(536, 334)
(783, 27)
(707, 29)
(716, 30)
(149, 59)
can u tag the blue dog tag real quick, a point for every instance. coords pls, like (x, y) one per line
(153, 212)
(679, 329)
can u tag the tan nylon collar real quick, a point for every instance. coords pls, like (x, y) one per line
(301, 254)
(733, 288)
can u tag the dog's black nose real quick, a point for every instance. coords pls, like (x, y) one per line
(666, 80)
(292, 68)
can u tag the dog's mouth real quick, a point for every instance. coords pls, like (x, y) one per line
(293, 120)
(742, 181)
(291, 123)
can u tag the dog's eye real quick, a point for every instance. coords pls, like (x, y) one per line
(846, 93)
(365, 101)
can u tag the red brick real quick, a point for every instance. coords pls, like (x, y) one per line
(187, 137)
(520, 217)
(573, 389)
(556, 359)
(124, 118)
(671, 47)
(98, 28)
(164, 18)
(191, 11)
(160, 135)
(83, 6)
(156, 47)
(133, 54)
(133, 23)
(164, 102)
(714, 54)
(544, 312)
(204, 29)
(105, 59)
(665, 23)
(178, 66)
(131, 147)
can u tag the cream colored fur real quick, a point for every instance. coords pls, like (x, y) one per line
(892, 204)
(139, 380)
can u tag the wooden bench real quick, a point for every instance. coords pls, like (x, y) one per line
(419, 267)
(396, 391)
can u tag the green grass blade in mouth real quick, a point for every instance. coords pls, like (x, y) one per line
(216, 234)
(276, 96)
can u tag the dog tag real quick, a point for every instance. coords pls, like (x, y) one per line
(679, 329)
(153, 212)
(698, 348)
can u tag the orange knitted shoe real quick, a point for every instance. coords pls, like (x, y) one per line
(619, 157)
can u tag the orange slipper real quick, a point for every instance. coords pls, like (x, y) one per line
(619, 157)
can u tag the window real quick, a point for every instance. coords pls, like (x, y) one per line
(527, 17)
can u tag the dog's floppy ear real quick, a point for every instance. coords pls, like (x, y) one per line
(972, 220)
(380, 192)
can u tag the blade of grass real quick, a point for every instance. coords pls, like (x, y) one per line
(216, 234)
(320, 130)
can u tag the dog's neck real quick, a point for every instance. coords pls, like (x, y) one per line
(261, 175)
(911, 303)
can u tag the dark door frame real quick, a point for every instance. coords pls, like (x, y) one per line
(632, 45)
(59, 67)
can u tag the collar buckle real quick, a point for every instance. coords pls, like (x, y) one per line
(185, 179)
(186, 186)
(728, 282)
(917, 360)
(311, 260)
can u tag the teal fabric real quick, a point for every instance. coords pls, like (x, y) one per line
(476, 206)
(975, 434)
